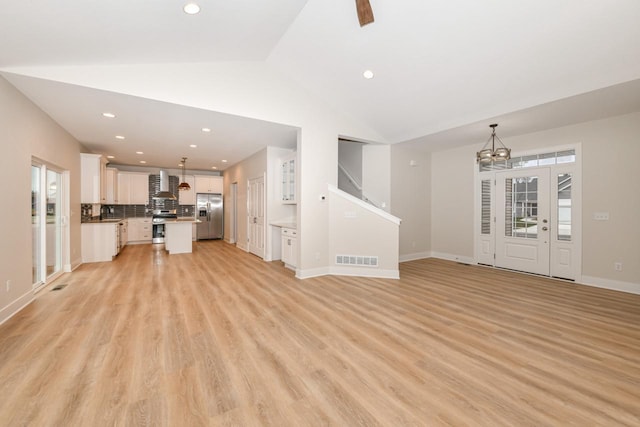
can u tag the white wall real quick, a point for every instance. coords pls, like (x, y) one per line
(411, 200)
(610, 175)
(26, 132)
(356, 230)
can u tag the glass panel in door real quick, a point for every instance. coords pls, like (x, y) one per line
(53, 225)
(36, 236)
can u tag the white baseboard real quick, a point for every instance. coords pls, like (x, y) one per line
(13, 308)
(364, 272)
(414, 256)
(312, 272)
(68, 268)
(243, 247)
(348, 271)
(615, 285)
(452, 257)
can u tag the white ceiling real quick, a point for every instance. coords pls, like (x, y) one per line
(443, 69)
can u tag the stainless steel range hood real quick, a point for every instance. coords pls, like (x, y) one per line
(164, 193)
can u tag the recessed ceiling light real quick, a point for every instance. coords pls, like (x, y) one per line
(191, 8)
(193, 146)
(142, 161)
(139, 152)
(368, 74)
(110, 157)
(109, 115)
(206, 130)
(224, 161)
(213, 167)
(119, 137)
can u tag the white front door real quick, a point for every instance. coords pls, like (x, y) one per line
(255, 218)
(522, 220)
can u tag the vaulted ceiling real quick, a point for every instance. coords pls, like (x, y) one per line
(442, 69)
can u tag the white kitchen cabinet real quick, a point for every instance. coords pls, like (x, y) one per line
(208, 184)
(140, 230)
(93, 178)
(288, 179)
(99, 241)
(111, 186)
(133, 188)
(289, 254)
(187, 197)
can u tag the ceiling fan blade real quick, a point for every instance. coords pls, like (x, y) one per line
(365, 13)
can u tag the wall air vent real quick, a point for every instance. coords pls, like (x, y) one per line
(360, 260)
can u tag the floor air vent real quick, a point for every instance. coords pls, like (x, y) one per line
(364, 261)
(59, 287)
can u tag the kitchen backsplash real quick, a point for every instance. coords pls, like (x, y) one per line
(140, 211)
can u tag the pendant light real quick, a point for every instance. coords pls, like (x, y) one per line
(184, 185)
(490, 155)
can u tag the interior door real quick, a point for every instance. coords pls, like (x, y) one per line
(522, 220)
(255, 217)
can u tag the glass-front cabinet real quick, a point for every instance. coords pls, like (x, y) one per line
(288, 179)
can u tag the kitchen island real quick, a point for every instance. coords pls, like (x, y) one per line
(178, 235)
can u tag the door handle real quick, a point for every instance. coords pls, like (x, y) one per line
(545, 228)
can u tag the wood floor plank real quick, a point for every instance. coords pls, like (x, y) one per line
(221, 338)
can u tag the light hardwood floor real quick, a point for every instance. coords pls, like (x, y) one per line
(219, 337)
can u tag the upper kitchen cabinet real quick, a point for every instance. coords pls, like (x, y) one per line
(209, 184)
(187, 197)
(288, 179)
(133, 188)
(93, 174)
(111, 186)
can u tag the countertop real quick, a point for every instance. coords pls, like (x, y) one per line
(180, 220)
(103, 221)
(285, 224)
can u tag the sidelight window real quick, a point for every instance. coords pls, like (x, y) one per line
(564, 207)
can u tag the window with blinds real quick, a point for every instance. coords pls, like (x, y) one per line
(485, 211)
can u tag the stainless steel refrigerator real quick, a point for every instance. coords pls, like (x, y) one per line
(209, 212)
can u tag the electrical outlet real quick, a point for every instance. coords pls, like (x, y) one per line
(601, 216)
(617, 266)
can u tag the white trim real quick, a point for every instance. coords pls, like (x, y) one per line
(74, 265)
(453, 257)
(333, 189)
(414, 256)
(312, 272)
(16, 306)
(614, 285)
(364, 272)
(348, 271)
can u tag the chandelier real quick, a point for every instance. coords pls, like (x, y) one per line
(184, 185)
(490, 155)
